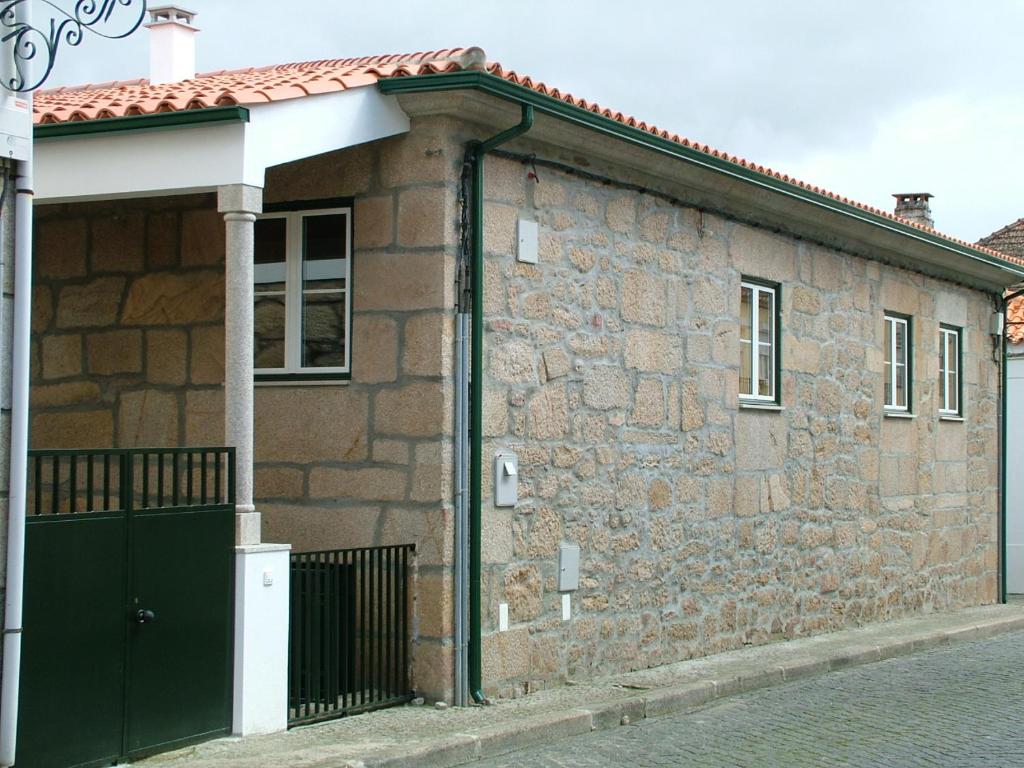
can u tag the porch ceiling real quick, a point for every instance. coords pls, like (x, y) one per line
(145, 156)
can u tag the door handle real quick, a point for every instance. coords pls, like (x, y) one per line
(145, 616)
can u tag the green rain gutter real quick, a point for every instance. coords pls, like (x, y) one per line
(501, 88)
(476, 375)
(1003, 432)
(157, 121)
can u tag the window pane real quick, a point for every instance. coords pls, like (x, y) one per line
(746, 385)
(765, 371)
(901, 386)
(269, 254)
(901, 343)
(888, 382)
(943, 342)
(323, 252)
(953, 366)
(765, 315)
(746, 313)
(268, 331)
(888, 341)
(323, 330)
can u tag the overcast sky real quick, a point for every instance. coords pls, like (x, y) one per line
(865, 98)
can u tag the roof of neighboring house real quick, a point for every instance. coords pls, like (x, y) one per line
(260, 85)
(1010, 241)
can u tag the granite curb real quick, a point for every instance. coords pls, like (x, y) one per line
(463, 748)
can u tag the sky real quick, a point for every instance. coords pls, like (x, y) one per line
(865, 98)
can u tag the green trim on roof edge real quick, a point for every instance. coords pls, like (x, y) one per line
(502, 88)
(155, 121)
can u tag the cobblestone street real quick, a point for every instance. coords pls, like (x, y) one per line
(953, 706)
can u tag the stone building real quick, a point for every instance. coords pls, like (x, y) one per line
(760, 410)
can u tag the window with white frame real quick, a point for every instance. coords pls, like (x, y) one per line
(949, 370)
(759, 347)
(302, 294)
(897, 362)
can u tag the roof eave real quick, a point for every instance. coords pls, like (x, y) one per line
(930, 251)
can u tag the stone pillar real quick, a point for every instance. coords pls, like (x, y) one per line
(240, 203)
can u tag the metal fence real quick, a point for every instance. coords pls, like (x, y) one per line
(120, 479)
(349, 635)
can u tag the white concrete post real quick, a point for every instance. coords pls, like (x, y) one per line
(240, 203)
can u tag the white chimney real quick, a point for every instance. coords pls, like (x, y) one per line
(172, 44)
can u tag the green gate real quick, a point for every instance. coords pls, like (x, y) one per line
(128, 618)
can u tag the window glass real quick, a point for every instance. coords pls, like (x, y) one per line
(949, 370)
(765, 332)
(270, 276)
(758, 349)
(897, 385)
(746, 313)
(323, 291)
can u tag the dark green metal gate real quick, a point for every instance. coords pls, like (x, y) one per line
(128, 622)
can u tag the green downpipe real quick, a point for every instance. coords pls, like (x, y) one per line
(476, 392)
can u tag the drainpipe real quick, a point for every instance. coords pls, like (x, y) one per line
(477, 390)
(1003, 431)
(20, 336)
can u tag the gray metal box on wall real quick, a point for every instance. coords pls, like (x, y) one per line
(568, 567)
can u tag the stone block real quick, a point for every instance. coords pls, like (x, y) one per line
(207, 354)
(423, 217)
(163, 240)
(278, 483)
(202, 238)
(649, 404)
(113, 352)
(428, 153)
(59, 248)
(342, 173)
(500, 222)
(758, 253)
(372, 484)
(204, 418)
(556, 363)
(73, 429)
(334, 424)
(93, 304)
(390, 452)
(512, 362)
(432, 472)
(505, 655)
(548, 413)
(422, 350)
(414, 410)
(760, 440)
(404, 281)
(653, 351)
(621, 213)
(309, 527)
(522, 591)
(147, 418)
(644, 298)
(61, 356)
(505, 180)
(606, 387)
(42, 308)
(434, 609)
(59, 395)
(374, 349)
(117, 243)
(373, 225)
(166, 356)
(175, 298)
(495, 413)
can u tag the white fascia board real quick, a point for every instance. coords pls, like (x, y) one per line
(139, 163)
(285, 131)
(200, 158)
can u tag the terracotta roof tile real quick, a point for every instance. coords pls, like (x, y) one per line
(290, 81)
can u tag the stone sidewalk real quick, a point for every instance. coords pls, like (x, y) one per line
(424, 736)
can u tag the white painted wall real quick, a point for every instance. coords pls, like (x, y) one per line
(261, 639)
(1014, 473)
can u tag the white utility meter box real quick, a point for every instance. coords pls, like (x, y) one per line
(15, 126)
(506, 479)
(568, 567)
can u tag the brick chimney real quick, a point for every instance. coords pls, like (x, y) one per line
(172, 44)
(913, 206)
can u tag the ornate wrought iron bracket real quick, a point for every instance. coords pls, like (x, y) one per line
(28, 43)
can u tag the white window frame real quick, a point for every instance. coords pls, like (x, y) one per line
(892, 322)
(755, 343)
(950, 376)
(293, 297)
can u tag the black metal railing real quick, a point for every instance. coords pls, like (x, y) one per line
(349, 635)
(121, 479)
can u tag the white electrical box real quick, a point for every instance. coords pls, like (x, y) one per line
(506, 479)
(526, 249)
(568, 567)
(15, 126)
(995, 325)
